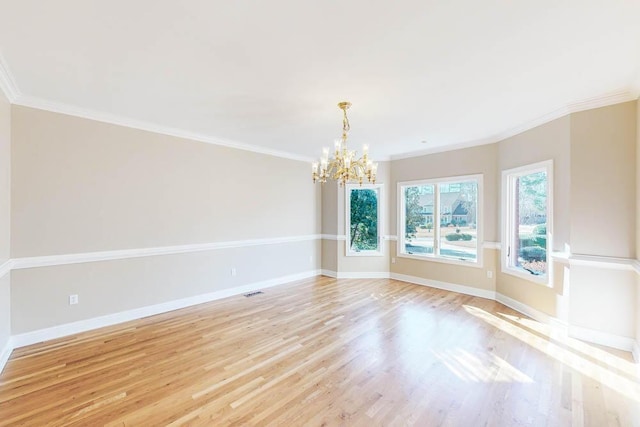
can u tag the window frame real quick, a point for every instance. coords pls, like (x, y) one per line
(436, 257)
(379, 188)
(508, 212)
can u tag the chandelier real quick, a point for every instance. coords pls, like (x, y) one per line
(344, 167)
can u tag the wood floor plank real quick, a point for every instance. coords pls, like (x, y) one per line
(374, 352)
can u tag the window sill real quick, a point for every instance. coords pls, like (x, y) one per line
(364, 253)
(475, 264)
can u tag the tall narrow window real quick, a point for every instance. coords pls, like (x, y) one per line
(458, 213)
(439, 219)
(527, 220)
(363, 220)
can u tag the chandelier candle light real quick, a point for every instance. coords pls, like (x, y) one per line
(344, 167)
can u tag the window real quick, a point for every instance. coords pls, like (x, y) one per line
(363, 219)
(439, 219)
(527, 221)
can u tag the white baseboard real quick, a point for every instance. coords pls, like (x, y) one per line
(5, 353)
(356, 274)
(462, 289)
(66, 329)
(329, 273)
(589, 335)
(523, 308)
(583, 334)
(602, 338)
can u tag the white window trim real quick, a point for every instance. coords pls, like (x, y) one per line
(478, 263)
(507, 196)
(347, 223)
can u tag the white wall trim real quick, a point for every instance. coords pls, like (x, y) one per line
(523, 308)
(363, 275)
(602, 338)
(561, 257)
(612, 263)
(583, 334)
(589, 335)
(5, 353)
(329, 273)
(343, 238)
(101, 116)
(66, 329)
(45, 261)
(5, 267)
(356, 274)
(333, 237)
(7, 82)
(635, 264)
(15, 96)
(462, 289)
(491, 245)
(604, 100)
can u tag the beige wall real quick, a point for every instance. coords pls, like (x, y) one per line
(334, 256)
(82, 186)
(5, 178)
(603, 179)
(603, 299)
(638, 189)
(39, 296)
(447, 273)
(78, 186)
(468, 161)
(603, 216)
(5, 221)
(638, 220)
(550, 141)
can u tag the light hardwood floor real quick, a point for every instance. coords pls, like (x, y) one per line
(324, 352)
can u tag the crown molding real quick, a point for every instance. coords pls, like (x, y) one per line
(7, 82)
(625, 95)
(15, 96)
(100, 116)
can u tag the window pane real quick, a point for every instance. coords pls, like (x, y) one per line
(419, 219)
(363, 233)
(458, 214)
(530, 222)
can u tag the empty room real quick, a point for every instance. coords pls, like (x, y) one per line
(293, 213)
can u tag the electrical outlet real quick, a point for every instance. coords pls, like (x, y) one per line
(73, 299)
(233, 271)
(489, 274)
(393, 260)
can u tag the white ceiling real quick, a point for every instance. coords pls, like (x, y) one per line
(269, 74)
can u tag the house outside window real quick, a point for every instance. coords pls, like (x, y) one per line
(527, 212)
(453, 235)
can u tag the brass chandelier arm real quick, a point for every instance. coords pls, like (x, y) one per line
(344, 167)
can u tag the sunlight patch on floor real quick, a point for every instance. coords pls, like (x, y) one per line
(625, 386)
(472, 368)
(591, 351)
